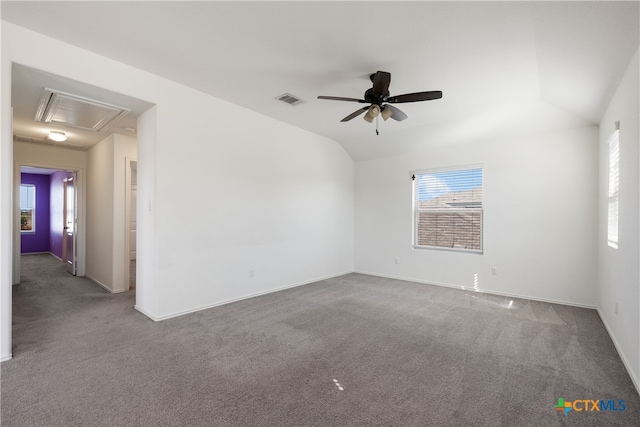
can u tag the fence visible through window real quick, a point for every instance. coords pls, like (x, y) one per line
(27, 208)
(448, 210)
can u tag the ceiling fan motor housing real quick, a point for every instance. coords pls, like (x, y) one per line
(375, 99)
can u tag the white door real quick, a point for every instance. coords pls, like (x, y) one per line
(70, 221)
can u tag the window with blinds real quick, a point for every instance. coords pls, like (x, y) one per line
(614, 189)
(447, 209)
(27, 208)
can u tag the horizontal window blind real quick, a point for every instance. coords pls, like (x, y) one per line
(27, 197)
(614, 190)
(448, 209)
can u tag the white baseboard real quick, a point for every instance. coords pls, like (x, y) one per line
(97, 282)
(229, 301)
(625, 362)
(56, 257)
(155, 319)
(482, 291)
(5, 358)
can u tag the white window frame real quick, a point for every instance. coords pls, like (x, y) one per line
(416, 210)
(613, 193)
(31, 203)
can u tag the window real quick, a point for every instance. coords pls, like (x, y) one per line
(447, 209)
(614, 189)
(27, 208)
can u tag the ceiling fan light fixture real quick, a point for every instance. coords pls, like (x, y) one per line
(386, 113)
(372, 113)
(57, 136)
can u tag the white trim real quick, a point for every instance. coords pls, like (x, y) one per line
(229, 301)
(448, 168)
(155, 319)
(99, 283)
(33, 209)
(5, 358)
(625, 362)
(482, 291)
(53, 255)
(443, 248)
(41, 253)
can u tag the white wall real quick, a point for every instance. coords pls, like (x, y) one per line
(146, 265)
(100, 196)
(618, 269)
(106, 200)
(221, 190)
(246, 193)
(540, 218)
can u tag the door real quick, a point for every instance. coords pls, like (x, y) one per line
(70, 222)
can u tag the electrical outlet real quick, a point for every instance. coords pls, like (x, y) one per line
(396, 260)
(494, 271)
(615, 308)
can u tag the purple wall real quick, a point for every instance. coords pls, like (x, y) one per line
(38, 241)
(57, 214)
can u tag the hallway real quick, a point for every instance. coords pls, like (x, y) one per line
(48, 292)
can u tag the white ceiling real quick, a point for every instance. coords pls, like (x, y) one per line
(504, 68)
(27, 87)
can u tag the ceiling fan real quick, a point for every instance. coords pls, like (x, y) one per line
(380, 100)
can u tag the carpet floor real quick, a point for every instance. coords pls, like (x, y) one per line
(355, 350)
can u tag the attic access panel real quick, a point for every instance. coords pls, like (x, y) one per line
(76, 111)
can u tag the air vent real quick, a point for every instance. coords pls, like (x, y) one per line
(76, 111)
(289, 99)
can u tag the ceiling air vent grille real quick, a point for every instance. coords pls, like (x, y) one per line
(77, 111)
(289, 99)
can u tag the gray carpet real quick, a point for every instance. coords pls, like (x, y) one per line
(404, 354)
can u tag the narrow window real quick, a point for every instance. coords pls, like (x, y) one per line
(614, 189)
(27, 208)
(447, 209)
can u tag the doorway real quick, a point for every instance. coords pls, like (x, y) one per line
(69, 233)
(53, 213)
(131, 209)
(32, 148)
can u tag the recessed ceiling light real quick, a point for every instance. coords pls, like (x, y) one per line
(57, 136)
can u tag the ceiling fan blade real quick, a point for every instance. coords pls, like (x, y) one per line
(381, 80)
(354, 114)
(415, 97)
(340, 98)
(398, 114)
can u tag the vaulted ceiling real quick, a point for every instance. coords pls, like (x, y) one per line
(504, 68)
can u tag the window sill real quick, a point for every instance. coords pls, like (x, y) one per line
(459, 250)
